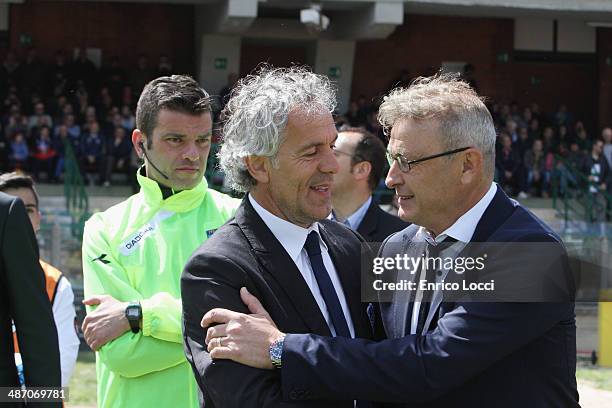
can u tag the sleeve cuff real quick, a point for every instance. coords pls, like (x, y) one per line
(147, 317)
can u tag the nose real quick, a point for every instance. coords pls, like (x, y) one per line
(329, 162)
(191, 152)
(394, 177)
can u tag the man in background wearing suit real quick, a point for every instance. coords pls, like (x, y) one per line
(278, 148)
(361, 161)
(23, 300)
(450, 353)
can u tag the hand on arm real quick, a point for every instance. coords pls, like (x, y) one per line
(106, 322)
(245, 339)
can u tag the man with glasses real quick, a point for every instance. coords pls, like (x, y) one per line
(439, 352)
(361, 162)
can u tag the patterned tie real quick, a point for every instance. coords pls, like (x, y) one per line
(433, 251)
(325, 285)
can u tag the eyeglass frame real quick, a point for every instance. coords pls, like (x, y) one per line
(397, 157)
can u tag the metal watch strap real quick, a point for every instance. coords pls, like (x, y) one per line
(276, 352)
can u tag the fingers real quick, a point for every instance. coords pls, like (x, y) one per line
(216, 331)
(218, 316)
(252, 302)
(92, 301)
(217, 342)
(219, 353)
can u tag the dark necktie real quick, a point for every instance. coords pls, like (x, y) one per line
(325, 285)
(433, 251)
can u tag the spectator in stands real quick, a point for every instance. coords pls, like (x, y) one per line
(606, 135)
(538, 165)
(84, 71)
(563, 135)
(141, 75)
(534, 129)
(128, 121)
(74, 130)
(523, 143)
(118, 154)
(596, 168)
(92, 151)
(361, 162)
(354, 116)
(583, 141)
(39, 118)
(10, 72)
(59, 145)
(164, 66)
(511, 130)
(17, 123)
(19, 152)
(113, 77)
(508, 164)
(548, 139)
(44, 155)
(58, 75)
(59, 290)
(562, 116)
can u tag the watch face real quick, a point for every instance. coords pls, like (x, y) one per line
(132, 312)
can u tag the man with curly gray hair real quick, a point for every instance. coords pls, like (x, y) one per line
(278, 148)
(466, 349)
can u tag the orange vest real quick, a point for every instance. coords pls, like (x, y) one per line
(52, 278)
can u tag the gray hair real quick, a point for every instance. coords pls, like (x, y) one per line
(257, 115)
(461, 114)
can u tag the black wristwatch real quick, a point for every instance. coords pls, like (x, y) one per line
(133, 313)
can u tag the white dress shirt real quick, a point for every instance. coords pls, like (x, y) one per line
(463, 231)
(353, 221)
(64, 315)
(293, 237)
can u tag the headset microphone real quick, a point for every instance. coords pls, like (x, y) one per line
(150, 162)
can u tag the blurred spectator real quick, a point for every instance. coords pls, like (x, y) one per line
(164, 67)
(562, 116)
(606, 135)
(538, 165)
(508, 164)
(113, 77)
(92, 152)
(39, 118)
(534, 129)
(596, 168)
(355, 116)
(117, 155)
(583, 140)
(128, 121)
(84, 71)
(58, 75)
(10, 72)
(548, 139)
(141, 75)
(19, 152)
(511, 129)
(523, 143)
(44, 155)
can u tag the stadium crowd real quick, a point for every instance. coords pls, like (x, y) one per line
(47, 104)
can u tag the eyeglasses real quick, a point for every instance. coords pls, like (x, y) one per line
(405, 165)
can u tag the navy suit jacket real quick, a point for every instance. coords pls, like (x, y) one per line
(378, 224)
(479, 354)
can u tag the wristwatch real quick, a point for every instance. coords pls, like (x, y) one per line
(276, 352)
(133, 313)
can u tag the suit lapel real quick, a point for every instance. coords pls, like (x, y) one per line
(280, 267)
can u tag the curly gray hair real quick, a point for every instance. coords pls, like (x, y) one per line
(257, 115)
(463, 118)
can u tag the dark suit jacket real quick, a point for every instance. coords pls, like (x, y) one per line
(24, 300)
(378, 224)
(244, 252)
(479, 355)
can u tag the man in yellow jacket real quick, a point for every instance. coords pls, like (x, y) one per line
(134, 252)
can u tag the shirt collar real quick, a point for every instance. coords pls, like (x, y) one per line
(463, 229)
(292, 237)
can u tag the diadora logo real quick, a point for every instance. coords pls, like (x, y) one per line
(128, 246)
(101, 258)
